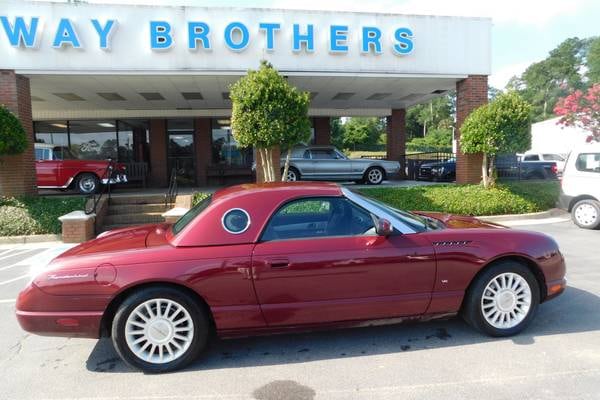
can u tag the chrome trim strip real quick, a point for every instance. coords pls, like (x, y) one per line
(396, 223)
(58, 187)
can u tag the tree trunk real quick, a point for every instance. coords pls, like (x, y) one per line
(491, 171)
(287, 165)
(484, 171)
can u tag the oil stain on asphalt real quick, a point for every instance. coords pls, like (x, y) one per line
(284, 390)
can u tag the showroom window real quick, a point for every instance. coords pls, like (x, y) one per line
(93, 140)
(225, 149)
(52, 132)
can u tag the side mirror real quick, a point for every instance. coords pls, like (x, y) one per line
(384, 227)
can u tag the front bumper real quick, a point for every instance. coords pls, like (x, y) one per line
(118, 178)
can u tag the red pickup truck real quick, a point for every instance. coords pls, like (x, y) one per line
(56, 168)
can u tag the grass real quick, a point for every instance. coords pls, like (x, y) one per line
(35, 215)
(505, 198)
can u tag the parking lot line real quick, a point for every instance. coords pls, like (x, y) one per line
(15, 279)
(19, 264)
(4, 301)
(16, 253)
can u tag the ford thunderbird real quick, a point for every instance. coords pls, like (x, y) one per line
(281, 257)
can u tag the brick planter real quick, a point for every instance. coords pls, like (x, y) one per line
(77, 227)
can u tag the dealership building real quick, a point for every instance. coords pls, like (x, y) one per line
(149, 86)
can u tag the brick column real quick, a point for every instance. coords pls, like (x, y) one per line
(396, 139)
(322, 127)
(470, 94)
(158, 153)
(17, 173)
(203, 144)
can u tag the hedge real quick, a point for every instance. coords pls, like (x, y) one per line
(35, 215)
(507, 198)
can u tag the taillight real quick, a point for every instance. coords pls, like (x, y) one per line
(554, 169)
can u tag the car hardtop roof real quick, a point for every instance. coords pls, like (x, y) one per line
(289, 189)
(593, 146)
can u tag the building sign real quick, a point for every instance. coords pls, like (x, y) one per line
(62, 37)
(26, 33)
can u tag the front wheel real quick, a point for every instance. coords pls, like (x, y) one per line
(374, 176)
(586, 214)
(159, 329)
(292, 175)
(503, 300)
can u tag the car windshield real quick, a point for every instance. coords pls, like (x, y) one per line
(553, 157)
(418, 223)
(191, 214)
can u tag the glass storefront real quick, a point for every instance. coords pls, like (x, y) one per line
(225, 149)
(122, 140)
(180, 150)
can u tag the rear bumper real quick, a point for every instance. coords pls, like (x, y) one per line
(564, 201)
(70, 324)
(119, 178)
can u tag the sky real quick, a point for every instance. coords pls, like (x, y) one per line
(524, 31)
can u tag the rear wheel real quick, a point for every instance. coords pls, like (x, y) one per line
(159, 329)
(586, 214)
(503, 299)
(374, 176)
(87, 183)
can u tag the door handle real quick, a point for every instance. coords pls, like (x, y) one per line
(279, 263)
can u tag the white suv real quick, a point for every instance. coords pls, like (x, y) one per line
(580, 189)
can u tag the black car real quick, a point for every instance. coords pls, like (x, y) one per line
(438, 171)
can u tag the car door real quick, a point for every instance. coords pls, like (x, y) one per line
(319, 260)
(47, 169)
(329, 164)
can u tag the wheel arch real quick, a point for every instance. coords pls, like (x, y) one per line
(519, 258)
(577, 199)
(78, 174)
(113, 306)
(378, 166)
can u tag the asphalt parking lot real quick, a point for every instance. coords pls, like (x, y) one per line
(557, 357)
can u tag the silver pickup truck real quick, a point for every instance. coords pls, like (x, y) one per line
(328, 163)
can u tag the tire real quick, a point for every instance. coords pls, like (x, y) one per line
(498, 306)
(87, 183)
(176, 306)
(374, 175)
(293, 174)
(586, 214)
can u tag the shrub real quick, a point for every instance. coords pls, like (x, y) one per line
(35, 215)
(13, 139)
(509, 198)
(198, 197)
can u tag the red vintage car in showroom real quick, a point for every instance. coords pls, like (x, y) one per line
(57, 168)
(280, 257)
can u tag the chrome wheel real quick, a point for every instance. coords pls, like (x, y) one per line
(586, 214)
(291, 176)
(159, 331)
(87, 183)
(375, 176)
(506, 300)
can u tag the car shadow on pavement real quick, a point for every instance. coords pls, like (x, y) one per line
(574, 311)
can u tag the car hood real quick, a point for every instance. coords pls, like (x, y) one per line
(452, 221)
(123, 239)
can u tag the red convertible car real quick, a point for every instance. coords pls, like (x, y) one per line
(57, 168)
(280, 257)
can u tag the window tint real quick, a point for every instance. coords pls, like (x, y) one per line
(39, 154)
(531, 157)
(190, 215)
(319, 217)
(588, 162)
(323, 154)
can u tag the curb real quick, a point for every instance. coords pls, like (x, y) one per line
(551, 213)
(29, 239)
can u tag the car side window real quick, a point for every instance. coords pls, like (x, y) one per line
(588, 162)
(39, 154)
(531, 157)
(318, 217)
(323, 154)
(307, 155)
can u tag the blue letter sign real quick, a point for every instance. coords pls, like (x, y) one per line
(198, 31)
(20, 33)
(160, 35)
(245, 36)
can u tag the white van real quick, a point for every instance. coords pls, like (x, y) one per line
(580, 186)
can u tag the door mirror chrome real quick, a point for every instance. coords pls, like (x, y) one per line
(384, 227)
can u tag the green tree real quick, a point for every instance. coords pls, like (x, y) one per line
(593, 61)
(13, 139)
(362, 130)
(437, 113)
(337, 132)
(268, 112)
(439, 139)
(501, 126)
